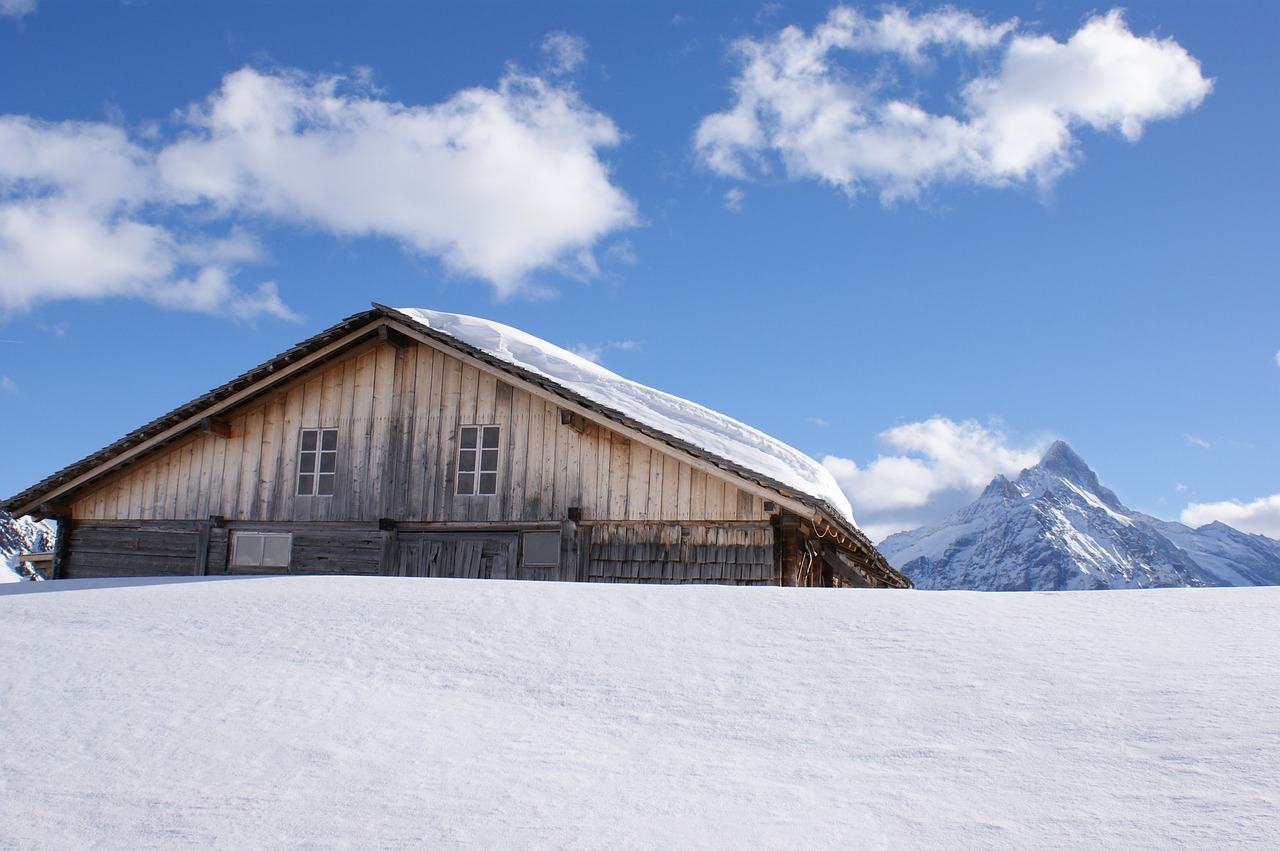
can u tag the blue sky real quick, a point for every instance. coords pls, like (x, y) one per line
(913, 242)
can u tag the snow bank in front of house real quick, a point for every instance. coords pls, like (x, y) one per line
(688, 421)
(369, 712)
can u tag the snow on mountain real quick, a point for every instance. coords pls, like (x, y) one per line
(1056, 528)
(680, 418)
(385, 712)
(21, 534)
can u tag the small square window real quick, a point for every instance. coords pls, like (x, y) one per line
(261, 549)
(317, 461)
(478, 460)
(540, 549)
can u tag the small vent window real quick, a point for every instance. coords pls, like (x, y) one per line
(540, 549)
(478, 460)
(317, 461)
(261, 549)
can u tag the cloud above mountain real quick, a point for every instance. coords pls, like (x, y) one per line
(842, 105)
(495, 183)
(933, 468)
(1259, 517)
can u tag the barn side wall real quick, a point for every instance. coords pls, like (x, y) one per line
(630, 513)
(398, 413)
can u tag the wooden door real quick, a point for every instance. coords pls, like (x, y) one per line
(457, 555)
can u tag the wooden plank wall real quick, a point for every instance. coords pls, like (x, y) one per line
(741, 554)
(398, 411)
(97, 550)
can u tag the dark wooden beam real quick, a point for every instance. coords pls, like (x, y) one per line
(577, 422)
(216, 425)
(392, 336)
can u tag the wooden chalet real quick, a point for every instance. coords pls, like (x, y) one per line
(388, 445)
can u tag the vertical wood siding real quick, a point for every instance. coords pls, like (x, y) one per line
(397, 411)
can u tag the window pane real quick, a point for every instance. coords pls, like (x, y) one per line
(491, 437)
(275, 550)
(466, 483)
(329, 439)
(541, 548)
(309, 440)
(246, 550)
(328, 462)
(324, 484)
(488, 483)
(306, 485)
(468, 437)
(467, 461)
(489, 460)
(307, 463)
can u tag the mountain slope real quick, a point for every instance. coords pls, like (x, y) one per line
(1056, 528)
(21, 534)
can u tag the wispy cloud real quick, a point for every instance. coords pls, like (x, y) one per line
(1260, 517)
(1198, 441)
(565, 52)
(818, 421)
(733, 200)
(596, 353)
(935, 467)
(17, 8)
(7, 385)
(513, 173)
(796, 106)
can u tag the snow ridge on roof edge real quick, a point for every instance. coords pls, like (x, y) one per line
(687, 421)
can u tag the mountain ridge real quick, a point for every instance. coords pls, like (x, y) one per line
(1056, 527)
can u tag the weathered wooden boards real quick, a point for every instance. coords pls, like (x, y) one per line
(397, 410)
(675, 553)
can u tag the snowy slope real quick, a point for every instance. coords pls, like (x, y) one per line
(689, 421)
(383, 712)
(1057, 528)
(18, 535)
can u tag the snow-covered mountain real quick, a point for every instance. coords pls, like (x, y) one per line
(1056, 528)
(21, 534)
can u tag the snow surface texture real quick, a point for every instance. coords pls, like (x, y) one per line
(19, 535)
(1057, 528)
(689, 421)
(386, 712)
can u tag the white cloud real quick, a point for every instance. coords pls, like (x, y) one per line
(798, 107)
(73, 225)
(938, 465)
(733, 200)
(1198, 441)
(7, 385)
(818, 421)
(1277, 358)
(565, 52)
(17, 8)
(1260, 517)
(496, 183)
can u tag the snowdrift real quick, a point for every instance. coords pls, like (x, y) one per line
(379, 712)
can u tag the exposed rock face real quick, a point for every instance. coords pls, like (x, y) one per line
(1056, 528)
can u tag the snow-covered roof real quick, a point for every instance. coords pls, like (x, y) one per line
(687, 421)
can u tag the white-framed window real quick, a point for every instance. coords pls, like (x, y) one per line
(478, 459)
(317, 461)
(261, 549)
(540, 549)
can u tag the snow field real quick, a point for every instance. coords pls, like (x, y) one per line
(381, 712)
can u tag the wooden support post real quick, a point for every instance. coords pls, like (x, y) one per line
(205, 529)
(58, 569)
(388, 552)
